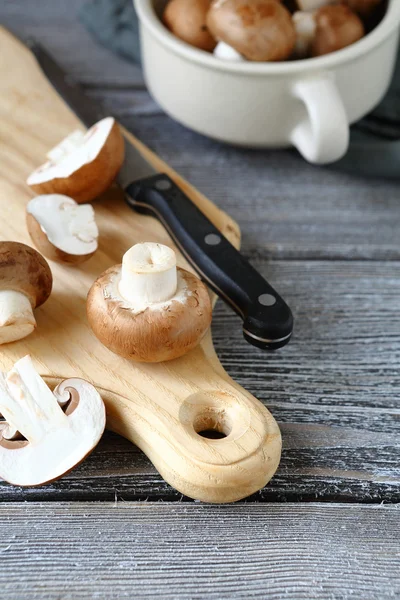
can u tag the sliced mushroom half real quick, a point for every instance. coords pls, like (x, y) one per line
(61, 229)
(83, 165)
(56, 430)
(25, 283)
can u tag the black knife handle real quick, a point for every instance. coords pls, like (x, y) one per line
(267, 320)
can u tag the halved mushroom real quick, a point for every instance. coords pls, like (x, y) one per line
(148, 309)
(61, 229)
(58, 429)
(187, 20)
(260, 30)
(25, 283)
(326, 30)
(83, 165)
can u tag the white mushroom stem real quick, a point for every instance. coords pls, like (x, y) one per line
(148, 274)
(226, 52)
(306, 28)
(27, 403)
(72, 142)
(16, 316)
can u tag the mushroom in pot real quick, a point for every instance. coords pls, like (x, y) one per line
(187, 20)
(259, 30)
(148, 309)
(326, 30)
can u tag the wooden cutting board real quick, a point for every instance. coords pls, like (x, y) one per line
(159, 407)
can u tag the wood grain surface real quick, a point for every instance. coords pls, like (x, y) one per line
(329, 243)
(145, 550)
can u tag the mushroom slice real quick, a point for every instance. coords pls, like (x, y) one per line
(25, 283)
(54, 441)
(326, 30)
(83, 165)
(148, 309)
(61, 229)
(260, 30)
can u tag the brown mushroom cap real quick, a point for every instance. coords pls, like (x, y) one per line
(92, 178)
(363, 7)
(261, 30)
(155, 334)
(23, 269)
(337, 27)
(187, 20)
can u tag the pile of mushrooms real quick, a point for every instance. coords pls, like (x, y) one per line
(270, 30)
(45, 433)
(148, 309)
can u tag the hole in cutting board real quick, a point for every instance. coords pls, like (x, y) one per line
(212, 434)
(213, 424)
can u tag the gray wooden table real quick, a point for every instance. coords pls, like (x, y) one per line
(327, 526)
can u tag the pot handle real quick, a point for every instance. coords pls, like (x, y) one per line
(323, 135)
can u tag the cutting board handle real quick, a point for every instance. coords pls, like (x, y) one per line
(212, 470)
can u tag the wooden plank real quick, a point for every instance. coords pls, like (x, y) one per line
(57, 26)
(143, 550)
(334, 390)
(362, 470)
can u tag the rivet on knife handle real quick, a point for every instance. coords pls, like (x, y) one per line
(267, 319)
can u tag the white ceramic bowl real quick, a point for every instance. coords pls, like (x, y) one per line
(306, 103)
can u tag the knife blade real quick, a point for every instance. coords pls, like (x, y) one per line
(267, 319)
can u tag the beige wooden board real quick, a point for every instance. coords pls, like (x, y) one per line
(152, 405)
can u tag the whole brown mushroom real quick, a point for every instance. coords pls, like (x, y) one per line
(337, 27)
(260, 30)
(147, 309)
(187, 20)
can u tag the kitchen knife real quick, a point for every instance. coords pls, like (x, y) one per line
(267, 320)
